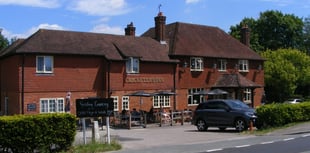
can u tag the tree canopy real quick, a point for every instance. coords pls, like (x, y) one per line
(307, 35)
(273, 30)
(3, 41)
(287, 73)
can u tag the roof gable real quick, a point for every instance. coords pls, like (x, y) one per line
(198, 40)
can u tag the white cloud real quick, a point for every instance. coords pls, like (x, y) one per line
(191, 1)
(32, 3)
(31, 31)
(104, 28)
(45, 26)
(100, 7)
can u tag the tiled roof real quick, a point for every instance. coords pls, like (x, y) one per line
(11, 47)
(234, 80)
(112, 47)
(205, 41)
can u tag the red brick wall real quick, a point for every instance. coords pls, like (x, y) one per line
(81, 75)
(152, 76)
(207, 78)
(71, 73)
(89, 76)
(10, 81)
(34, 98)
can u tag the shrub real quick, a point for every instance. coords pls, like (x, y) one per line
(278, 114)
(43, 132)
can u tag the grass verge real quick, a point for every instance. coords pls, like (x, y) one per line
(95, 148)
(266, 130)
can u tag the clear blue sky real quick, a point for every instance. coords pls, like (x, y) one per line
(21, 18)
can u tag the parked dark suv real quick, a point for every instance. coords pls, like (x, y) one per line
(223, 113)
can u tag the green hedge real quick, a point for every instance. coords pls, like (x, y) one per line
(279, 114)
(43, 133)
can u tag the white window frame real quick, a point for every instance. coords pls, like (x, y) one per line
(192, 99)
(44, 64)
(161, 101)
(222, 65)
(196, 64)
(115, 102)
(52, 105)
(243, 66)
(125, 103)
(247, 95)
(132, 65)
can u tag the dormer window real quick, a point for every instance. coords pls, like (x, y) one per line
(196, 64)
(243, 65)
(132, 65)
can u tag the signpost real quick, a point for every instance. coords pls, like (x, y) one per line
(95, 107)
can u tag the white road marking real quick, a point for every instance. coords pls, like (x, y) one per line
(288, 139)
(263, 143)
(306, 135)
(212, 150)
(267, 142)
(242, 146)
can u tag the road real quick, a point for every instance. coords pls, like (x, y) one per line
(258, 144)
(288, 145)
(186, 139)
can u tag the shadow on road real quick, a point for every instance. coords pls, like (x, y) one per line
(216, 131)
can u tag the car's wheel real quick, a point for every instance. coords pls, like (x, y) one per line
(222, 128)
(240, 125)
(201, 125)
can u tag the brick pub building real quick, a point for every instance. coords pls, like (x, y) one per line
(49, 70)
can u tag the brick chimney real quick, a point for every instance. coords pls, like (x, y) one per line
(245, 35)
(160, 23)
(130, 30)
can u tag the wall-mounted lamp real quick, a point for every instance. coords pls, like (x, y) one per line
(214, 66)
(182, 69)
(259, 67)
(68, 96)
(185, 64)
(236, 67)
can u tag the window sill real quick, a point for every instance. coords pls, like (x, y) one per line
(196, 70)
(192, 104)
(132, 72)
(45, 74)
(244, 71)
(222, 70)
(162, 107)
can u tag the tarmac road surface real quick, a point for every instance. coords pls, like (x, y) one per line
(139, 138)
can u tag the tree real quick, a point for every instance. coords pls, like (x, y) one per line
(307, 35)
(286, 71)
(250, 22)
(273, 30)
(3, 41)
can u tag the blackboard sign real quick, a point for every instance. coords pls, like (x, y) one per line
(94, 107)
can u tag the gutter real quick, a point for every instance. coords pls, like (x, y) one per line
(23, 84)
(108, 78)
